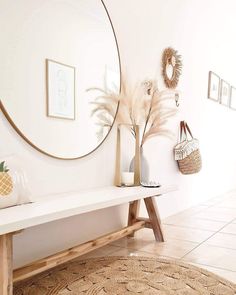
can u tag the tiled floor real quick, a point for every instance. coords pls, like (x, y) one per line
(204, 236)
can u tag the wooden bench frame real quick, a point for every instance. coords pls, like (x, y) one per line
(65, 205)
(8, 276)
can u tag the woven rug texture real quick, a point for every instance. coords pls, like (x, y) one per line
(125, 275)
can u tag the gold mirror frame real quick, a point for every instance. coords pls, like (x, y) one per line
(11, 121)
(171, 58)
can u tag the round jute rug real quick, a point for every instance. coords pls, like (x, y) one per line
(126, 275)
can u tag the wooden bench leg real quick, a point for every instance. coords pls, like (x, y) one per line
(133, 213)
(6, 270)
(154, 218)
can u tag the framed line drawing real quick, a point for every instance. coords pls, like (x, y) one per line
(233, 98)
(60, 82)
(224, 92)
(213, 86)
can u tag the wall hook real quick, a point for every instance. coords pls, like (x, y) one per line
(177, 99)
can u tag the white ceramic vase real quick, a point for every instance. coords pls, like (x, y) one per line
(144, 167)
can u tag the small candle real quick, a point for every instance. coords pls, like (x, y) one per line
(127, 178)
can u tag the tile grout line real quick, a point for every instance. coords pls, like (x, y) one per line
(197, 228)
(233, 220)
(208, 239)
(220, 268)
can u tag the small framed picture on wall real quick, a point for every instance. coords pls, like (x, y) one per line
(213, 86)
(225, 92)
(233, 98)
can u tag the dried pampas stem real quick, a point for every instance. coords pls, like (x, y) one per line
(142, 105)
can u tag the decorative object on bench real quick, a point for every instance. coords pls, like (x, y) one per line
(124, 151)
(142, 105)
(171, 67)
(127, 178)
(150, 184)
(13, 183)
(6, 182)
(126, 275)
(153, 118)
(187, 152)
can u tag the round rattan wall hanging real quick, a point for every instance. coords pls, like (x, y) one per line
(171, 67)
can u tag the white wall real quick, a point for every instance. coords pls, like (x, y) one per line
(201, 31)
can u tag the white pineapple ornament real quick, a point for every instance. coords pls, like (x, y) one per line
(6, 182)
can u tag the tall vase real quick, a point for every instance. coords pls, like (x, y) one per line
(144, 167)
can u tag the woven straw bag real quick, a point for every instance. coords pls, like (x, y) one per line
(187, 152)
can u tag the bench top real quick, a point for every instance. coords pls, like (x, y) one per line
(64, 205)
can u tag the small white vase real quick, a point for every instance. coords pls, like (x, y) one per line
(144, 167)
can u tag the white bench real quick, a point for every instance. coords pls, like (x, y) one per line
(15, 219)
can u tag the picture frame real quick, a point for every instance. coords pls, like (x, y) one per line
(233, 98)
(60, 88)
(213, 86)
(225, 90)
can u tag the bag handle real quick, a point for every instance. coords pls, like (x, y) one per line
(188, 129)
(182, 131)
(184, 128)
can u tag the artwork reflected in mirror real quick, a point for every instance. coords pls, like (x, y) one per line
(60, 90)
(171, 67)
(78, 39)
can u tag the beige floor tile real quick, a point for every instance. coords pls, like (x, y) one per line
(145, 234)
(230, 229)
(186, 213)
(170, 248)
(142, 238)
(228, 203)
(132, 252)
(145, 237)
(144, 241)
(226, 274)
(192, 211)
(218, 214)
(193, 222)
(218, 199)
(213, 256)
(222, 240)
(186, 234)
(213, 201)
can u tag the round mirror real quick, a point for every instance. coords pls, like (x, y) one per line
(169, 71)
(57, 58)
(171, 67)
